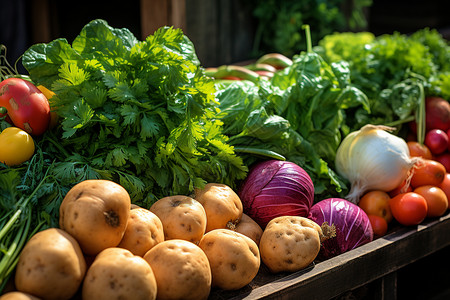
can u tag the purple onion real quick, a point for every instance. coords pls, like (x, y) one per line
(351, 223)
(276, 188)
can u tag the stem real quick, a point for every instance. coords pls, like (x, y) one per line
(421, 116)
(3, 110)
(308, 38)
(262, 152)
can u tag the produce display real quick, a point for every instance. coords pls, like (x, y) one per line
(129, 170)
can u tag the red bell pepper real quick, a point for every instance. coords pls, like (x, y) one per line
(25, 105)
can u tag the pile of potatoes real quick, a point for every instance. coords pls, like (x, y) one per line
(180, 247)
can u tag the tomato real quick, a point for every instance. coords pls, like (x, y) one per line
(428, 172)
(445, 185)
(402, 188)
(409, 208)
(376, 203)
(17, 146)
(417, 149)
(437, 141)
(25, 104)
(437, 201)
(379, 225)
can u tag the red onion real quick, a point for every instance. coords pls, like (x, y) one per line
(351, 224)
(276, 188)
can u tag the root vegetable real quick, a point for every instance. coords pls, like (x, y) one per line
(222, 205)
(182, 217)
(15, 295)
(118, 274)
(182, 270)
(234, 258)
(95, 212)
(248, 227)
(51, 265)
(290, 243)
(144, 230)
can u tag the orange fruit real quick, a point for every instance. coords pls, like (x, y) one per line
(379, 225)
(428, 172)
(437, 201)
(376, 203)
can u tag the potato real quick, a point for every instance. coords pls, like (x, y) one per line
(51, 265)
(221, 203)
(144, 230)
(248, 227)
(234, 258)
(118, 274)
(290, 243)
(15, 295)
(182, 217)
(181, 270)
(95, 212)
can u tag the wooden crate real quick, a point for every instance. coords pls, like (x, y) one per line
(409, 263)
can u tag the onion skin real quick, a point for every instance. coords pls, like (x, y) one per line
(276, 188)
(352, 226)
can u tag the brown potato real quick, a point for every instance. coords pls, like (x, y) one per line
(182, 217)
(221, 203)
(95, 212)
(15, 295)
(181, 270)
(51, 265)
(118, 274)
(234, 258)
(144, 230)
(248, 227)
(290, 243)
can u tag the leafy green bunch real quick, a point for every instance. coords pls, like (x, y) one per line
(299, 114)
(141, 113)
(394, 70)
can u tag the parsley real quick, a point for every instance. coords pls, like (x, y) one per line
(141, 113)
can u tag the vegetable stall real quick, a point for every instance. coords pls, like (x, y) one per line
(271, 179)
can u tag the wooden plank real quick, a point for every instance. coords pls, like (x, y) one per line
(154, 14)
(358, 267)
(159, 13)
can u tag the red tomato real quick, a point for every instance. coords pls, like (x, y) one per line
(409, 208)
(376, 203)
(379, 225)
(428, 172)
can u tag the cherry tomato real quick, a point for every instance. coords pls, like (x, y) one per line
(417, 149)
(437, 201)
(376, 203)
(379, 225)
(409, 208)
(17, 146)
(445, 185)
(402, 188)
(428, 172)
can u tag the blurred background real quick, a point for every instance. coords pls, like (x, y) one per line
(223, 31)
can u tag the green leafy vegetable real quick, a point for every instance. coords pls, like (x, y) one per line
(141, 113)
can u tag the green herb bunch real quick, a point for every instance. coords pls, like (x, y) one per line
(141, 113)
